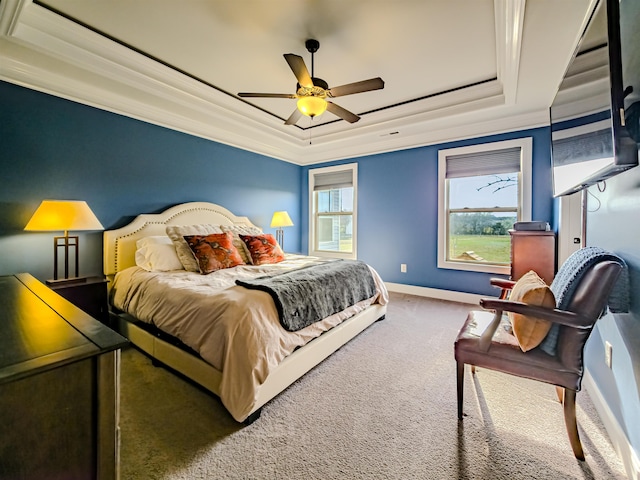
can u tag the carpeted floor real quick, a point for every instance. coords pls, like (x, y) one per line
(382, 407)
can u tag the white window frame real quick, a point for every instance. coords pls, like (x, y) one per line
(524, 200)
(312, 211)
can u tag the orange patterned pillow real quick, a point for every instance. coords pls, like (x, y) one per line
(263, 249)
(530, 289)
(214, 251)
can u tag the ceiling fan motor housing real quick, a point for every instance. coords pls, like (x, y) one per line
(312, 45)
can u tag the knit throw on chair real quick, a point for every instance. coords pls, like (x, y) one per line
(567, 279)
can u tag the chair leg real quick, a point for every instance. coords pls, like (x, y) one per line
(571, 422)
(460, 385)
(560, 393)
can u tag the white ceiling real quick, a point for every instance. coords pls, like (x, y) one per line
(452, 68)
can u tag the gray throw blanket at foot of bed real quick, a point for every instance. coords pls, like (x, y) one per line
(312, 293)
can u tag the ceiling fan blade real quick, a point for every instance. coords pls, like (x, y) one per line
(357, 87)
(293, 119)
(299, 69)
(267, 95)
(342, 113)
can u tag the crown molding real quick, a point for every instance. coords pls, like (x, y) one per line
(509, 15)
(52, 54)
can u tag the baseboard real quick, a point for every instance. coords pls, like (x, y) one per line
(450, 295)
(616, 433)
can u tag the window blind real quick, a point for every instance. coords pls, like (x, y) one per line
(338, 179)
(484, 163)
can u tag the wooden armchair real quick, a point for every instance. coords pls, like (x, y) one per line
(495, 348)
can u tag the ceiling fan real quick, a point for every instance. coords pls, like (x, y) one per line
(312, 92)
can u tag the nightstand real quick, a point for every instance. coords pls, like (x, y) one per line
(86, 293)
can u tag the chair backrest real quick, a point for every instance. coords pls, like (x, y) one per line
(589, 299)
(568, 279)
(570, 273)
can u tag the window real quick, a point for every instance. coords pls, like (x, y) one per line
(482, 191)
(332, 217)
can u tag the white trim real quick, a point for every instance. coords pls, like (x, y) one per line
(618, 438)
(570, 225)
(450, 295)
(9, 15)
(312, 224)
(525, 200)
(509, 15)
(49, 53)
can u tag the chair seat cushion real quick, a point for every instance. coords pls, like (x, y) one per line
(505, 354)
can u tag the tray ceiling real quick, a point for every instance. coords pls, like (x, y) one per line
(452, 69)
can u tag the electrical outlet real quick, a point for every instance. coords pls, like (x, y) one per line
(403, 268)
(608, 353)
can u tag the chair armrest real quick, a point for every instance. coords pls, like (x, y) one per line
(504, 284)
(484, 343)
(554, 315)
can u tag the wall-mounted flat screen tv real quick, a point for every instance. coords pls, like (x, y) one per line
(595, 116)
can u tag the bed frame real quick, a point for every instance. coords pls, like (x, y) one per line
(119, 253)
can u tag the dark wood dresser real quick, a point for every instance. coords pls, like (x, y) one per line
(59, 387)
(533, 250)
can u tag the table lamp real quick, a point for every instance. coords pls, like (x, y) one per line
(64, 215)
(279, 220)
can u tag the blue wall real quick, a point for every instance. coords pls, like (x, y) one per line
(612, 223)
(57, 149)
(398, 211)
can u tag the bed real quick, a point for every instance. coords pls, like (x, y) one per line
(244, 370)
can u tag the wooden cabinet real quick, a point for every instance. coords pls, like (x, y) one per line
(90, 294)
(59, 387)
(533, 250)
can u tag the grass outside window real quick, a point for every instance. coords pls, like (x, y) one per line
(481, 248)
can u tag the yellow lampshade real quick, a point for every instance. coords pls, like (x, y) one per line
(312, 106)
(63, 215)
(281, 219)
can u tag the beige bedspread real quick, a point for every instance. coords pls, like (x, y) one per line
(233, 328)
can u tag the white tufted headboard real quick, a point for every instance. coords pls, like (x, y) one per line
(120, 244)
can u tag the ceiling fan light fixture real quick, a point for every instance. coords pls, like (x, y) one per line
(312, 106)
(312, 92)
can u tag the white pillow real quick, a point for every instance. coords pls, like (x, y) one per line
(157, 254)
(176, 234)
(153, 240)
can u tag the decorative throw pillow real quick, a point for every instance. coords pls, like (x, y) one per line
(214, 252)
(238, 230)
(530, 289)
(263, 249)
(177, 232)
(157, 254)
